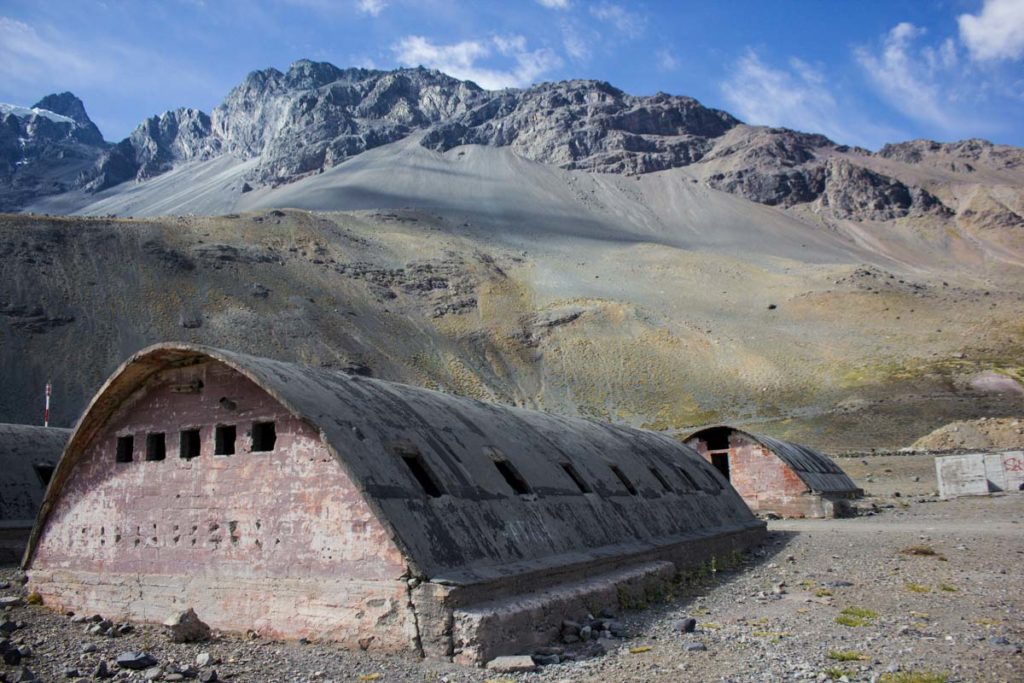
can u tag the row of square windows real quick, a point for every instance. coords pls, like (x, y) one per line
(264, 436)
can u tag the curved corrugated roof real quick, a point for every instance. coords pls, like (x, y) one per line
(815, 469)
(24, 449)
(480, 529)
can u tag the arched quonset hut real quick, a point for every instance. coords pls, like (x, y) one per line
(776, 476)
(302, 502)
(28, 456)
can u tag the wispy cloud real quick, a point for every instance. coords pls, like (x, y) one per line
(555, 4)
(630, 24)
(577, 40)
(28, 57)
(467, 59)
(667, 60)
(795, 96)
(371, 7)
(910, 79)
(996, 33)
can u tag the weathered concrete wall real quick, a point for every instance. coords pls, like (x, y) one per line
(765, 483)
(279, 542)
(979, 473)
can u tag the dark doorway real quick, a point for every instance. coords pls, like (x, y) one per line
(721, 462)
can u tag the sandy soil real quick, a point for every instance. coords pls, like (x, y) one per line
(955, 614)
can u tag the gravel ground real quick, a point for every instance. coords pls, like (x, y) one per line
(957, 613)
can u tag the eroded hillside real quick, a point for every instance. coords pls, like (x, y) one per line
(839, 354)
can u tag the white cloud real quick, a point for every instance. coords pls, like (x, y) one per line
(667, 61)
(372, 7)
(28, 57)
(464, 60)
(555, 4)
(997, 33)
(911, 80)
(577, 41)
(796, 96)
(631, 24)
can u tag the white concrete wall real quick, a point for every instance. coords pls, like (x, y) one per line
(979, 473)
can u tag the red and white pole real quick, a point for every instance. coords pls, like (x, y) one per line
(46, 413)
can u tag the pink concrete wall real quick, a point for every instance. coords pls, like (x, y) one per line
(279, 542)
(765, 482)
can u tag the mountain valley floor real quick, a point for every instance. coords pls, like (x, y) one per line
(921, 590)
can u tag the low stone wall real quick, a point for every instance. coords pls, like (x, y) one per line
(525, 620)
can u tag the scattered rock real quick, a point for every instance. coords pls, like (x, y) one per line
(11, 601)
(687, 625)
(695, 647)
(512, 664)
(135, 660)
(187, 627)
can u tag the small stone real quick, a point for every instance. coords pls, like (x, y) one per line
(125, 629)
(135, 660)
(87, 648)
(203, 659)
(838, 584)
(11, 601)
(186, 627)
(546, 660)
(23, 675)
(695, 647)
(25, 650)
(687, 625)
(998, 640)
(585, 633)
(12, 657)
(208, 676)
(102, 671)
(174, 677)
(153, 674)
(79, 619)
(71, 673)
(4, 585)
(512, 664)
(549, 650)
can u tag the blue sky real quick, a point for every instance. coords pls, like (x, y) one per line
(862, 72)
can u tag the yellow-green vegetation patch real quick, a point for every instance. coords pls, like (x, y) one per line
(834, 673)
(948, 588)
(856, 616)
(921, 551)
(917, 587)
(771, 635)
(846, 656)
(914, 677)
(823, 593)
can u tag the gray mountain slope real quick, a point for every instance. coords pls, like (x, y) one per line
(315, 117)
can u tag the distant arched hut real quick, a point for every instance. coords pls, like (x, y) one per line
(775, 476)
(28, 456)
(303, 502)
